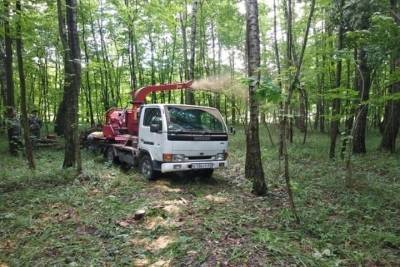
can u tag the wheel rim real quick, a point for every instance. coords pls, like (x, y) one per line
(146, 168)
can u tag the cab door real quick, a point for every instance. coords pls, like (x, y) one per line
(151, 141)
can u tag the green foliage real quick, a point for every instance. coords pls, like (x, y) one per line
(268, 91)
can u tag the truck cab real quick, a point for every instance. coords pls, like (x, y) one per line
(174, 138)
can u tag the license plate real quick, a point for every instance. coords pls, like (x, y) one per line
(202, 166)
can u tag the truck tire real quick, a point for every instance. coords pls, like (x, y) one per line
(206, 173)
(109, 155)
(146, 168)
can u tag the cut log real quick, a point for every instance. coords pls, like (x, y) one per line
(139, 214)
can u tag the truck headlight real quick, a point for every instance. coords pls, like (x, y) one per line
(178, 157)
(220, 156)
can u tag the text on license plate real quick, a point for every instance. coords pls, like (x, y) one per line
(202, 166)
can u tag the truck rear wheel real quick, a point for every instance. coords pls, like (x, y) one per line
(110, 155)
(146, 168)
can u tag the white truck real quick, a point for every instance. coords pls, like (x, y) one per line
(162, 138)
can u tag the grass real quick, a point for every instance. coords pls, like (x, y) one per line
(51, 217)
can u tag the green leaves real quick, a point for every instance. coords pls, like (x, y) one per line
(268, 91)
(341, 93)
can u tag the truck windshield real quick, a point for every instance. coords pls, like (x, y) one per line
(194, 120)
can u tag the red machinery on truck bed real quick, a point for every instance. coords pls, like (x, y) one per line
(122, 124)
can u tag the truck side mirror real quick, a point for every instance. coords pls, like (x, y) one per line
(232, 130)
(156, 125)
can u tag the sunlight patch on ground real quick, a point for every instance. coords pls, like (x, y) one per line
(216, 199)
(153, 222)
(154, 245)
(161, 263)
(141, 262)
(165, 186)
(94, 192)
(7, 245)
(174, 207)
(146, 262)
(160, 243)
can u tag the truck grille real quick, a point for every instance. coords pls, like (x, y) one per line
(199, 157)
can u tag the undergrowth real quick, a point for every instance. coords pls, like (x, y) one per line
(54, 217)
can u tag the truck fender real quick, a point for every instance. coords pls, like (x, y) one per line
(143, 152)
(156, 163)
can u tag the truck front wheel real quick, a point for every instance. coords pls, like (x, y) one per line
(146, 167)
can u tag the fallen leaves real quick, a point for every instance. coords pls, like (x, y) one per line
(153, 222)
(161, 263)
(165, 186)
(141, 262)
(7, 246)
(160, 243)
(153, 245)
(146, 262)
(216, 199)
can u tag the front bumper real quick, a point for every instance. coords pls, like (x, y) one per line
(187, 166)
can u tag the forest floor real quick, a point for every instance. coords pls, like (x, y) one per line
(51, 217)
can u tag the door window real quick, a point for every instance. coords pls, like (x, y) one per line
(150, 114)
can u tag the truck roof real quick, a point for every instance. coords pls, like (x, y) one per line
(177, 105)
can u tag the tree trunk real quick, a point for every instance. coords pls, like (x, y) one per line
(3, 79)
(290, 89)
(131, 50)
(254, 169)
(87, 77)
(59, 124)
(72, 151)
(335, 121)
(183, 20)
(301, 119)
(189, 96)
(9, 57)
(103, 84)
(363, 86)
(9, 89)
(392, 107)
(24, 112)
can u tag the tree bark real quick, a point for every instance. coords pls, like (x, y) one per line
(392, 107)
(183, 20)
(8, 61)
(9, 57)
(131, 50)
(72, 151)
(87, 77)
(59, 124)
(24, 112)
(336, 102)
(3, 79)
(290, 88)
(189, 96)
(254, 169)
(363, 86)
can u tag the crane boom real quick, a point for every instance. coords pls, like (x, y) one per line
(139, 96)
